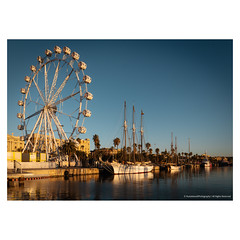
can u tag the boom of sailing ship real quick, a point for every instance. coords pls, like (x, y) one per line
(129, 167)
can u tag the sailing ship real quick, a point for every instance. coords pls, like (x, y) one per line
(129, 167)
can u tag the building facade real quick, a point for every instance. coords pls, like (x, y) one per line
(84, 145)
(14, 144)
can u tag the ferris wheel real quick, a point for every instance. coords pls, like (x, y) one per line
(54, 101)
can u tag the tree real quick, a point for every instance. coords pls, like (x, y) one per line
(96, 141)
(157, 152)
(68, 148)
(116, 142)
(82, 156)
(148, 145)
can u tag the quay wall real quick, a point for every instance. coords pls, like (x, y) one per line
(42, 165)
(57, 172)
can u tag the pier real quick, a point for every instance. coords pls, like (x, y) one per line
(15, 179)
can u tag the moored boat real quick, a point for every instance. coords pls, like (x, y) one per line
(131, 167)
(119, 168)
(206, 163)
(175, 167)
(224, 162)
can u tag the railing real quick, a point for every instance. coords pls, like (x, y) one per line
(17, 165)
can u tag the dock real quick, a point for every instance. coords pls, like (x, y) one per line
(15, 179)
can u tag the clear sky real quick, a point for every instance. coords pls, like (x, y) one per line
(182, 86)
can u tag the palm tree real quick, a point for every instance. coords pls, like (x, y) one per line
(96, 140)
(68, 148)
(148, 145)
(139, 148)
(116, 142)
(129, 151)
(98, 145)
(157, 152)
(190, 154)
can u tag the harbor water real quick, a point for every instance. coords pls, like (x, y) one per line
(188, 184)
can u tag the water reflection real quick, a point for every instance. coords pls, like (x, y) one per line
(152, 186)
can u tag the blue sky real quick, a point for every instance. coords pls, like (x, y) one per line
(182, 86)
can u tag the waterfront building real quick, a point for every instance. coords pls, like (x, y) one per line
(14, 143)
(84, 145)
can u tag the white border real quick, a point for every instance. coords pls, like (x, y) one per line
(123, 20)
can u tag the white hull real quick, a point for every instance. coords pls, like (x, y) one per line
(124, 178)
(119, 168)
(176, 168)
(206, 163)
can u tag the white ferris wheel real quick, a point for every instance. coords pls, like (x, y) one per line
(54, 101)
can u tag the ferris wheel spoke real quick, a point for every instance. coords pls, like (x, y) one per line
(64, 63)
(77, 100)
(64, 99)
(35, 126)
(54, 80)
(49, 134)
(66, 114)
(34, 114)
(58, 124)
(46, 82)
(36, 103)
(37, 137)
(45, 133)
(74, 111)
(54, 139)
(54, 98)
(39, 91)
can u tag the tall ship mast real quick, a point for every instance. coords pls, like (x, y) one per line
(125, 133)
(130, 167)
(141, 130)
(133, 132)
